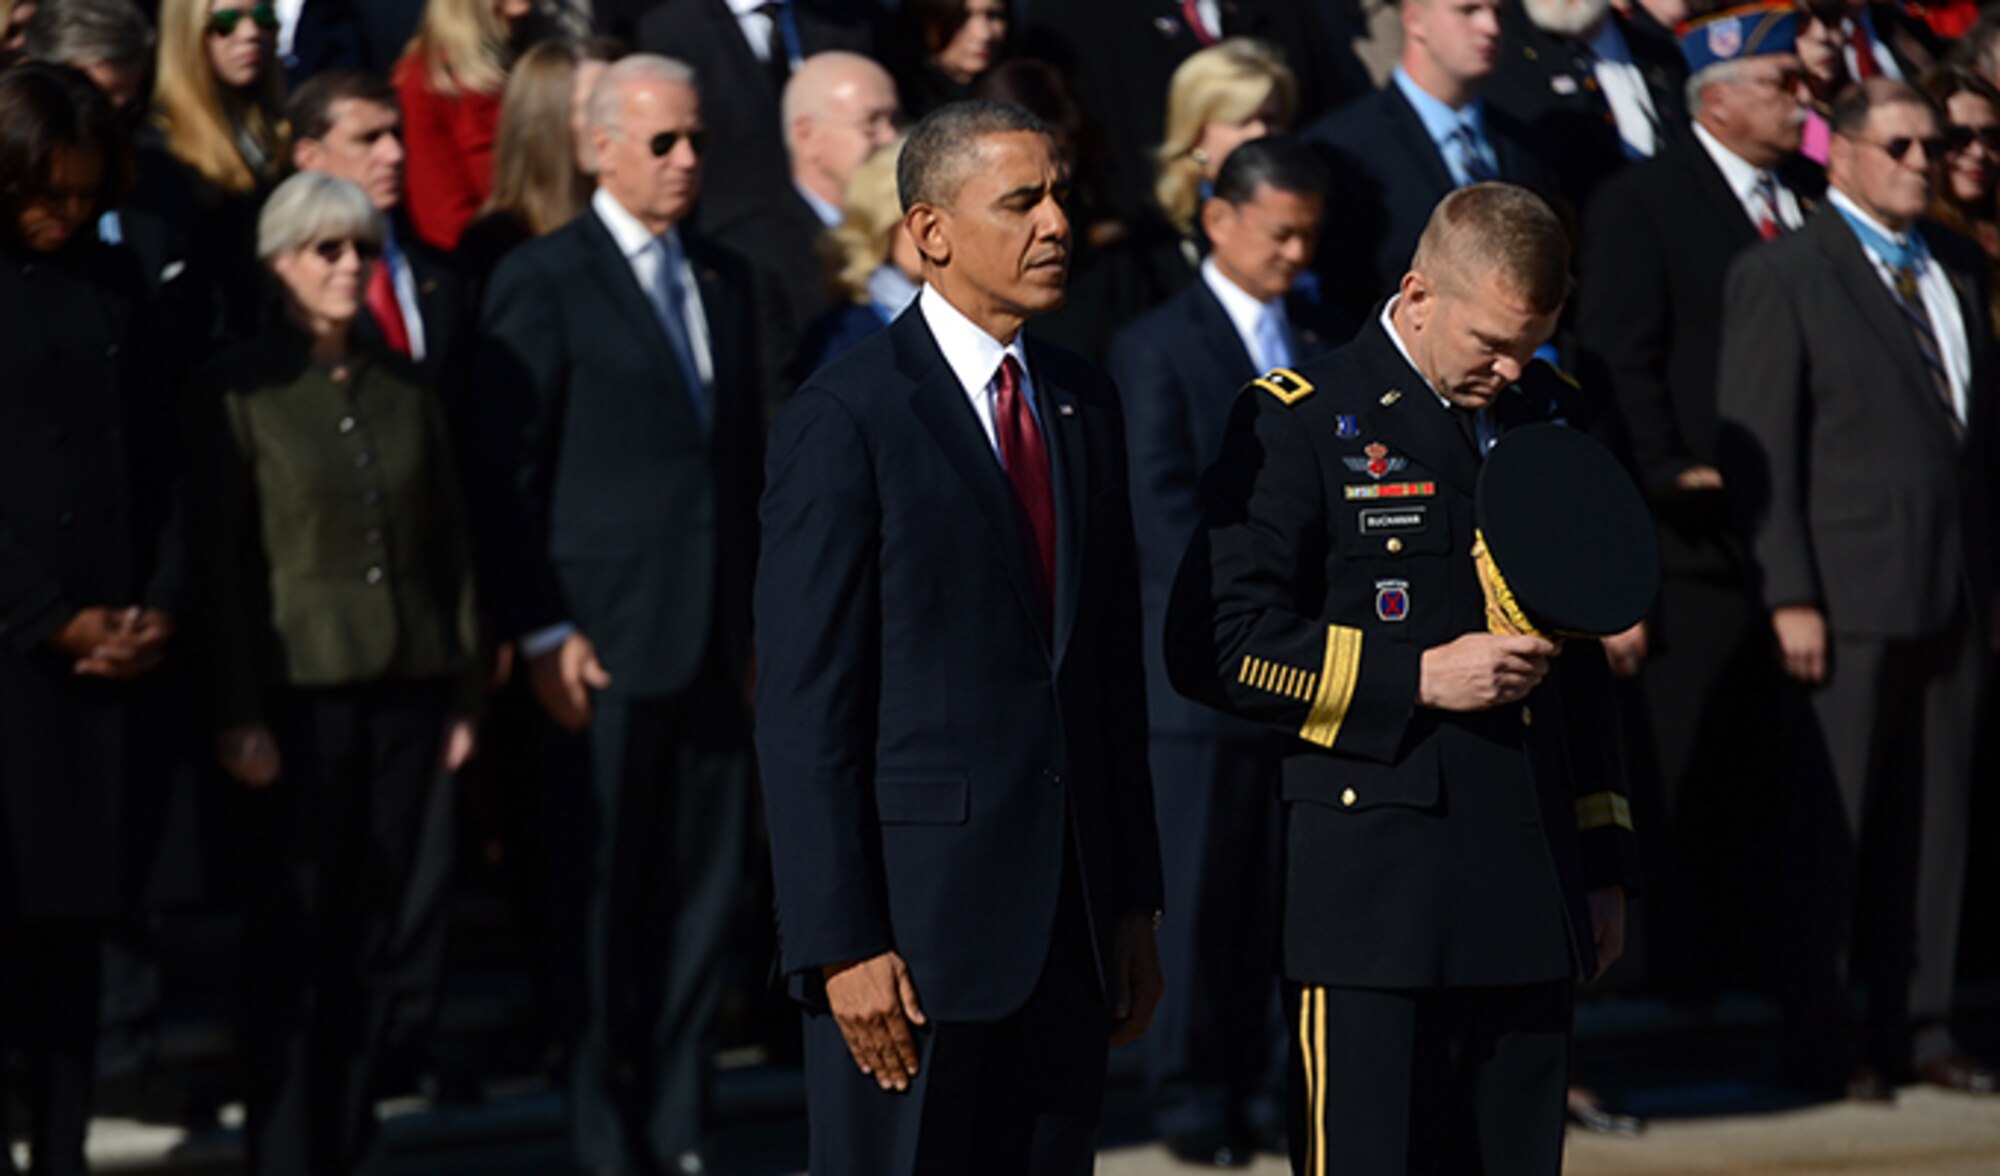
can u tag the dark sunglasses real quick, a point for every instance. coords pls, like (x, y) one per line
(1899, 146)
(223, 21)
(331, 251)
(666, 141)
(1959, 138)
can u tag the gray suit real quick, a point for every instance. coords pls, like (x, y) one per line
(1860, 497)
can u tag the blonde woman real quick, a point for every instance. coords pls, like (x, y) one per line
(872, 265)
(1224, 95)
(450, 82)
(541, 161)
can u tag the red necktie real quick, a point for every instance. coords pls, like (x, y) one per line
(1864, 54)
(1191, 12)
(1027, 462)
(387, 311)
(1768, 226)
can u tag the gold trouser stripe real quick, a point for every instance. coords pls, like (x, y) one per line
(1338, 675)
(1600, 809)
(1312, 1044)
(1319, 1085)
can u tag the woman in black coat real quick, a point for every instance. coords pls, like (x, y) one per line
(91, 574)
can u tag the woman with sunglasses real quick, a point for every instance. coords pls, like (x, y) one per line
(92, 566)
(450, 82)
(216, 142)
(1965, 198)
(338, 664)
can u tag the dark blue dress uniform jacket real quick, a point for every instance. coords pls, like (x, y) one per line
(1424, 849)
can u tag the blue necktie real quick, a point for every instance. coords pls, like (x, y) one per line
(1272, 343)
(671, 300)
(1472, 155)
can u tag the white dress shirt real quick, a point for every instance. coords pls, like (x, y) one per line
(828, 212)
(1245, 313)
(1940, 302)
(1884, 60)
(757, 26)
(974, 357)
(1742, 177)
(1388, 321)
(642, 253)
(1624, 90)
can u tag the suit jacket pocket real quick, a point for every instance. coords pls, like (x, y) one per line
(923, 798)
(1355, 786)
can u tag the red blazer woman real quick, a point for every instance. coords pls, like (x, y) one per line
(448, 172)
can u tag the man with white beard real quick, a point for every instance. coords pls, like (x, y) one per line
(1594, 93)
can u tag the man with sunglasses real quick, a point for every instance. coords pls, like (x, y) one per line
(1657, 243)
(1857, 444)
(614, 457)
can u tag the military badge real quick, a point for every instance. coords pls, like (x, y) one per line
(1389, 490)
(1392, 600)
(1377, 461)
(1346, 426)
(1725, 39)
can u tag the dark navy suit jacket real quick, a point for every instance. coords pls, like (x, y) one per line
(930, 749)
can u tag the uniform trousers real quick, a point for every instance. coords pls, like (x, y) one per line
(50, 985)
(1216, 1048)
(1429, 1082)
(330, 851)
(645, 845)
(1013, 1097)
(1876, 852)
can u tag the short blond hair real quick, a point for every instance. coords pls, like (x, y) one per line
(1500, 230)
(872, 215)
(1226, 82)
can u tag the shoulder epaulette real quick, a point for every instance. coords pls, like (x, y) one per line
(1284, 383)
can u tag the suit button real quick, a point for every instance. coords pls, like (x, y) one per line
(373, 575)
(1527, 716)
(374, 536)
(1395, 545)
(347, 424)
(1348, 798)
(363, 460)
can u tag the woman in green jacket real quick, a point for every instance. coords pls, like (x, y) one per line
(339, 644)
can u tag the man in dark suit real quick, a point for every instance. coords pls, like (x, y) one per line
(1593, 93)
(1148, 40)
(1457, 847)
(1857, 406)
(951, 704)
(346, 123)
(742, 50)
(1218, 1044)
(1657, 244)
(615, 462)
(1395, 153)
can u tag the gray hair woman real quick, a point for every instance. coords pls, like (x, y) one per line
(339, 662)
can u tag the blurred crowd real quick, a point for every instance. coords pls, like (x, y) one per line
(382, 394)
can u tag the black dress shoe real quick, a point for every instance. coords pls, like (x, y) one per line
(1867, 1084)
(1586, 1112)
(1212, 1148)
(1956, 1071)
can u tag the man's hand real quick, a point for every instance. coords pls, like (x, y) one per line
(1607, 925)
(563, 678)
(1626, 651)
(115, 643)
(1699, 477)
(1801, 631)
(461, 741)
(1136, 981)
(875, 1004)
(249, 753)
(1480, 671)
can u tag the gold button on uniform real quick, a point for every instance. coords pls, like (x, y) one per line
(1348, 798)
(1527, 717)
(1395, 545)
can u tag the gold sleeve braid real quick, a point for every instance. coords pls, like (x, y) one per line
(1503, 612)
(1339, 673)
(1288, 681)
(1602, 809)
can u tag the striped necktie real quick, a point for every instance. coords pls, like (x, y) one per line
(1910, 297)
(1472, 156)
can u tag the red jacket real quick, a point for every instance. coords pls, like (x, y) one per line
(449, 140)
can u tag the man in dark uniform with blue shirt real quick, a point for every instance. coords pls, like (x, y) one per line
(1458, 847)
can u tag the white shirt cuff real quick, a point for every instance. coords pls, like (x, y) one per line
(541, 641)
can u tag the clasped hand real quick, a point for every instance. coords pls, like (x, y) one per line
(1479, 671)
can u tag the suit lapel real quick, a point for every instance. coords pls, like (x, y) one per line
(621, 285)
(1069, 450)
(1211, 327)
(1409, 134)
(939, 402)
(1725, 209)
(1873, 301)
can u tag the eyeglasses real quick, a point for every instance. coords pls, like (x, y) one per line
(1959, 138)
(223, 21)
(332, 250)
(666, 141)
(1898, 147)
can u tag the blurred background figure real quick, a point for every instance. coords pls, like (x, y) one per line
(216, 144)
(92, 590)
(1821, 48)
(14, 18)
(943, 47)
(1965, 200)
(542, 162)
(339, 662)
(872, 265)
(450, 81)
(111, 41)
(1217, 1048)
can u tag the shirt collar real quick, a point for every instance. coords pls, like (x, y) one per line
(1853, 211)
(972, 354)
(1609, 44)
(1739, 173)
(743, 8)
(1403, 349)
(825, 210)
(1243, 309)
(1439, 119)
(632, 237)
